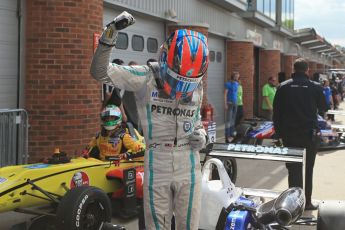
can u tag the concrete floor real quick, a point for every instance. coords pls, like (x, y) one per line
(329, 174)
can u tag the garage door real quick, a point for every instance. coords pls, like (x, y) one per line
(138, 42)
(215, 80)
(8, 54)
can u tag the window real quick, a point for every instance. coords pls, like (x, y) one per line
(152, 45)
(273, 10)
(267, 4)
(260, 5)
(137, 43)
(267, 7)
(288, 14)
(219, 57)
(122, 41)
(212, 56)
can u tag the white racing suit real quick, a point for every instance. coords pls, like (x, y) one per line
(172, 181)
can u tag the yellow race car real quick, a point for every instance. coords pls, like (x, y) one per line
(72, 194)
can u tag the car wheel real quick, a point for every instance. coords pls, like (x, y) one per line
(83, 208)
(243, 129)
(230, 166)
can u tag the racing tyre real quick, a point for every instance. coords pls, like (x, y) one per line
(83, 208)
(241, 133)
(230, 166)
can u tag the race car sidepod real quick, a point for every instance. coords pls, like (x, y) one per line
(125, 200)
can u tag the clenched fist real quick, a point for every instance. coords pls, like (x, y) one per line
(109, 34)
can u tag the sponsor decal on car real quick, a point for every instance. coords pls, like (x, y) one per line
(80, 208)
(141, 175)
(2, 180)
(79, 179)
(37, 166)
(257, 149)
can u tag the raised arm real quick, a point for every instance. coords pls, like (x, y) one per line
(130, 78)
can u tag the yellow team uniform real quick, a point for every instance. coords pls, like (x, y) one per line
(103, 146)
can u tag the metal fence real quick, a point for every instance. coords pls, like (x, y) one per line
(13, 137)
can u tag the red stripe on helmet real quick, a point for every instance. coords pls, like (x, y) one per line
(198, 61)
(186, 58)
(171, 51)
(167, 88)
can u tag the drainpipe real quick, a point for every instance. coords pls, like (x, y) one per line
(19, 17)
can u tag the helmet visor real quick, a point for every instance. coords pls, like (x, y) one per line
(111, 117)
(180, 84)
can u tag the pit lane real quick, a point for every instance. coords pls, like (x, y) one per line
(328, 182)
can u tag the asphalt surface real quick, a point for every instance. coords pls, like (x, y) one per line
(329, 175)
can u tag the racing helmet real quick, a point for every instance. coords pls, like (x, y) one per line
(111, 117)
(183, 61)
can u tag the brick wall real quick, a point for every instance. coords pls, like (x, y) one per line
(312, 68)
(203, 30)
(269, 67)
(320, 68)
(289, 60)
(240, 57)
(62, 99)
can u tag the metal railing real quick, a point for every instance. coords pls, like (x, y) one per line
(13, 137)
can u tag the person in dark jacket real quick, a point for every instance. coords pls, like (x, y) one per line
(295, 107)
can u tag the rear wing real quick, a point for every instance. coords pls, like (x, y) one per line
(336, 112)
(258, 152)
(335, 126)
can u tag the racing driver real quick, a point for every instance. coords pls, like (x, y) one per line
(168, 96)
(113, 140)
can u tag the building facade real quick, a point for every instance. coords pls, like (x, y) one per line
(47, 46)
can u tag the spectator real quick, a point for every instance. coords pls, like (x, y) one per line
(239, 113)
(316, 77)
(281, 77)
(328, 97)
(151, 60)
(131, 63)
(295, 107)
(108, 89)
(230, 101)
(113, 95)
(130, 106)
(335, 95)
(268, 92)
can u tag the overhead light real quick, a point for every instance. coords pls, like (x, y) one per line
(308, 42)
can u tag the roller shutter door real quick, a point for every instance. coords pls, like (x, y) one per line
(215, 80)
(8, 54)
